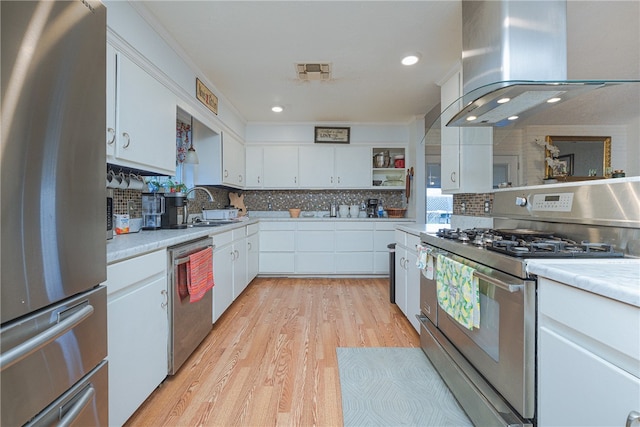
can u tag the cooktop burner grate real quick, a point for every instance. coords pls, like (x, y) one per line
(529, 243)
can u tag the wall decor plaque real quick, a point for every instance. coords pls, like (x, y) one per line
(207, 97)
(325, 134)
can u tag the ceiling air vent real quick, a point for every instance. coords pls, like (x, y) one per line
(315, 71)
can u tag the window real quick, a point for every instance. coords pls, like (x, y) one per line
(439, 206)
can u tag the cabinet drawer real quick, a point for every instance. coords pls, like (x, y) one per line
(222, 239)
(252, 229)
(277, 241)
(238, 233)
(354, 262)
(354, 241)
(597, 319)
(277, 225)
(316, 225)
(352, 225)
(412, 242)
(314, 241)
(133, 270)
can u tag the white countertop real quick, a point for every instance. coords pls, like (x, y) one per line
(125, 246)
(617, 279)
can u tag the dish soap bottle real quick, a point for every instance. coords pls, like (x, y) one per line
(380, 209)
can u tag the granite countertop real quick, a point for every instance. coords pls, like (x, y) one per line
(618, 279)
(125, 246)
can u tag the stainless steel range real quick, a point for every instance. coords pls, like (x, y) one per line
(491, 367)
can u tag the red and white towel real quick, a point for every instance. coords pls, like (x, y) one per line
(200, 274)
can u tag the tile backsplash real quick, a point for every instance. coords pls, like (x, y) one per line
(259, 200)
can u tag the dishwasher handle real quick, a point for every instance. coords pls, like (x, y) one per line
(184, 260)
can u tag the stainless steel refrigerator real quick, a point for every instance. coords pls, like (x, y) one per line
(53, 331)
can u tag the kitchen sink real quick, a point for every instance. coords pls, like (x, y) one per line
(211, 223)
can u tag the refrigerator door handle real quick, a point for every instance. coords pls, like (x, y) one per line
(78, 406)
(24, 349)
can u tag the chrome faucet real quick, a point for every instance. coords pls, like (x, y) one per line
(200, 188)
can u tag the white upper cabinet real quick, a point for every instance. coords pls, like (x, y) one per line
(253, 166)
(233, 161)
(353, 167)
(467, 152)
(221, 157)
(335, 167)
(280, 166)
(143, 116)
(111, 101)
(316, 166)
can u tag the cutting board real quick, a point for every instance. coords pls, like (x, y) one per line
(237, 200)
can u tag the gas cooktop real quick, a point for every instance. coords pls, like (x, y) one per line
(525, 243)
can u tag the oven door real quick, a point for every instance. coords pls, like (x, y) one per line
(502, 349)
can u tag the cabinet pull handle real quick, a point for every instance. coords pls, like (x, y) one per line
(236, 254)
(126, 135)
(331, 180)
(226, 173)
(249, 245)
(76, 409)
(632, 417)
(111, 132)
(64, 325)
(295, 179)
(453, 177)
(166, 298)
(258, 180)
(240, 178)
(233, 255)
(338, 180)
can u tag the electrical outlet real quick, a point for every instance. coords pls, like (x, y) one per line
(463, 207)
(487, 206)
(131, 208)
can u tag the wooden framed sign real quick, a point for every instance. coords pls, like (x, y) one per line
(325, 134)
(207, 97)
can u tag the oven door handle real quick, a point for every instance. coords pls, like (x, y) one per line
(499, 283)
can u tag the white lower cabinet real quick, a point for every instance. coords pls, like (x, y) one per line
(277, 247)
(235, 264)
(588, 358)
(253, 252)
(325, 247)
(239, 260)
(407, 276)
(354, 247)
(383, 235)
(222, 273)
(138, 331)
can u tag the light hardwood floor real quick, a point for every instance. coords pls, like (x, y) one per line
(271, 359)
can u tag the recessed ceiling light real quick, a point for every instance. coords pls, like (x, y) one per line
(277, 109)
(411, 59)
(513, 118)
(552, 100)
(503, 100)
(471, 118)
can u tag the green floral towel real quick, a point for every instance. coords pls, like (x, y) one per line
(458, 292)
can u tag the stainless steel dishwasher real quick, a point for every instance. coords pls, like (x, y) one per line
(190, 322)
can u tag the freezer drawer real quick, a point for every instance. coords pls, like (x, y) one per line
(85, 404)
(47, 352)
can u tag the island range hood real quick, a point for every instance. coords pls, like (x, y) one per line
(514, 60)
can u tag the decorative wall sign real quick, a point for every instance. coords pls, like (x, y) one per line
(332, 135)
(207, 97)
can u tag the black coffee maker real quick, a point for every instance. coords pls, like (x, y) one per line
(372, 206)
(175, 211)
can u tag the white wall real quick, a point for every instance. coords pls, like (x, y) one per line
(303, 133)
(132, 32)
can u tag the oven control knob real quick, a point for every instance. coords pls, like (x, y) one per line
(521, 201)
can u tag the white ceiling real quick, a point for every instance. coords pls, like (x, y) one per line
(247, 50)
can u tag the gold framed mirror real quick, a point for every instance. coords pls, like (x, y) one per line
(578, 158)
